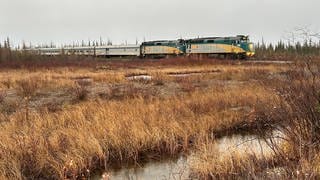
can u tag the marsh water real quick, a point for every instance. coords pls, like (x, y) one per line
(179, 168)
(149, 77)
(140, 77)
(164, 169)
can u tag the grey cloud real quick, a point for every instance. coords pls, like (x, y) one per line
(64, 21)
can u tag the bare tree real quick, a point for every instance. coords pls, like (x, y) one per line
(8, 43)
(101, 41)
(109, 42)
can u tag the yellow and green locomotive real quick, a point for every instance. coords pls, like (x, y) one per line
(164, 48)
(238, 47)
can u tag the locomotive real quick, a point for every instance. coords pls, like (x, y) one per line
(238, 47)
(163, 48)
(233, 47)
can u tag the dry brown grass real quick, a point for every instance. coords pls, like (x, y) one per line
(2, 96)
(98, 132)
(296, 117)
(57, 78)
(119, 130)
(211, 163)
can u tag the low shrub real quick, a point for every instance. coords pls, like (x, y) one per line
(27, 87)
(80, 92)
(2, 96)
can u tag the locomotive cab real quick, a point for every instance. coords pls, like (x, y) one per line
(246, 45)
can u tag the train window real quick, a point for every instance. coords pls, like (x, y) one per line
(210, 41)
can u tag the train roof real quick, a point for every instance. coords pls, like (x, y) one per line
(162, 42)
(239, 37)
(104, 47)
(91, 47)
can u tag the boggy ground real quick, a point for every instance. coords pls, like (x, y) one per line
(293, 143)
(65, 122)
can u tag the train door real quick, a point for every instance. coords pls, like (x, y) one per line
(107, 51)
(233, 45)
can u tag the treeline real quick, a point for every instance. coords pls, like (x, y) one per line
(5, 50)
(82, 43)
(9, 53)
(279, 51)
(20, 57)
(282, 50)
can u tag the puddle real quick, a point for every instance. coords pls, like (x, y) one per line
(139, 77)
(168, 169)
(178, 74)
(179, 168)
(243, 144)
(186, 74)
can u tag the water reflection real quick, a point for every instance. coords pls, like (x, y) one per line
(243, 144)
(168, 169)
(139, 77)
(179, 168)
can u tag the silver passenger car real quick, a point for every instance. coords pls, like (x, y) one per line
(121, 50)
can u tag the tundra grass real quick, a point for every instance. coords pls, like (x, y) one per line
(99, 132)
(56, 145)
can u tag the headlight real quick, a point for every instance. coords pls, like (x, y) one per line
(251, 47)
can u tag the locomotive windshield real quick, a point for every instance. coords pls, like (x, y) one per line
(245, 39)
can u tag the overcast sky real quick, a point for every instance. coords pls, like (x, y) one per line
(65, 21)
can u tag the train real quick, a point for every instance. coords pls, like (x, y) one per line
(237, 47)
